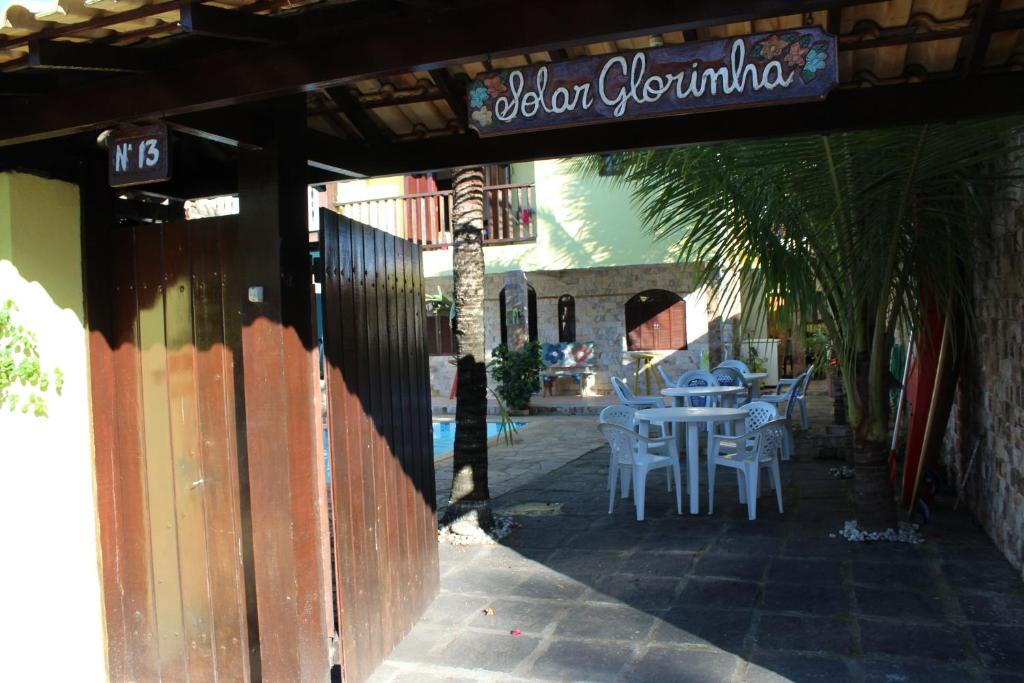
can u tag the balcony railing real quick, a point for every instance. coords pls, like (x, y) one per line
(509, 215)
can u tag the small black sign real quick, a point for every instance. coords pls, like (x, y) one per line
(139, 155)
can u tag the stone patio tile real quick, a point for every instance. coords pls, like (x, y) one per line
(583, 563)
(575, 660)
(664, 564)
(896, 670)
(666, 536)
(943, 643)
(618, 538)
(487, 651)
(549, 585)
(719, 593)
(641, 592)
(663, 663)
(809, 634)
(892, 552)
(605, 622)
(538, 536)
(759, 546)
(805, 571)
(730, 566)
(902, 603)
(430, 677)
(531, 617)
(795, 597)
(914, 574)
(996, 608)
(725, 629)
(482, 580)
(451, 608)
(790, 667)
(422, 639)
(1001, 647)
(991, 576)
(820, 546)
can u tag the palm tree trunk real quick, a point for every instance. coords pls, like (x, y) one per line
(469, 508)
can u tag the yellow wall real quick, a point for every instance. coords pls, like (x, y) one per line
(51, 617)
(582, 222)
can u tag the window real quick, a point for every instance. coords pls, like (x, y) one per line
(440, 341)
(655, 319)
(566, 318)
(531, 303)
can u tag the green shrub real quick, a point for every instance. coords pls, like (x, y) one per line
(517, 373)
(22, 378)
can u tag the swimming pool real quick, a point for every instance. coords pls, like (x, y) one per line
(444, 434)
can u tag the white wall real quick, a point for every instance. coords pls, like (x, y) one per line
(51, 619)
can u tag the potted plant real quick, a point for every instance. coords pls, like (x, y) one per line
(517, 373)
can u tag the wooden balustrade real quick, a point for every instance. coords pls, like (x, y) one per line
(426, 219)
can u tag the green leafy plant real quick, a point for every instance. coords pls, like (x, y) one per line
(820, 347)
(508, 427)
(441, 303)
(754, 360)
(23, 381)
(517, 373)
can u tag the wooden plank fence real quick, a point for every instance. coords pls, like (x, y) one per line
(381, 458)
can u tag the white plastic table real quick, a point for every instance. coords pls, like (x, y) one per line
(753, 381)
(680, 394)
(692, 418)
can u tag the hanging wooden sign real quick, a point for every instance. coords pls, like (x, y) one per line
(768, 68)
(139, 155)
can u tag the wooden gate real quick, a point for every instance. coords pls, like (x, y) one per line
(378, 402)
(171, 468)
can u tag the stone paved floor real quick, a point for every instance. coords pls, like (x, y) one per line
(601, 597)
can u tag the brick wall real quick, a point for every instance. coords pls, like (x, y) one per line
(989, 407)
(601, 295)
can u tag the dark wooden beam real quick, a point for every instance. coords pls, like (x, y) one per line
(453, 91)
(278, 342)
(875, 107)
(348, 105)
(203, 20)
(972, 50)
(60, 54)
(834, 21)
(350, 53)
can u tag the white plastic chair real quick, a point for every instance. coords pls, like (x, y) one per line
(628, 398)
(697, 378)
(748, 454)
(798, 384)
(738, 364)
(634, 457)
(728, 376)
(624, 416)
(668, 381)
(784, 403)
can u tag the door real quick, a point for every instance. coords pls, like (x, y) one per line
(380, 445)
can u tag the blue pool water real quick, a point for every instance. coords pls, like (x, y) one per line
(444, 438)
(444, 434)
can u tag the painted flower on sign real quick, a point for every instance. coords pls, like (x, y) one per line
(770, 48)
(477, 95)
(483, 117)
(795, 55)
(494, 85)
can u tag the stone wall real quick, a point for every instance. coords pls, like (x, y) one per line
(601, 295)
(989, 408)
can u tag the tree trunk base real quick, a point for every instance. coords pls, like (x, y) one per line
(876, 509)
(469, 517)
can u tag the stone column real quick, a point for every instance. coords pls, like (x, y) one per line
(517, 309)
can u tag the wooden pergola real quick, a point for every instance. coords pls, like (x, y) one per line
(264, 98)
(383, 81)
